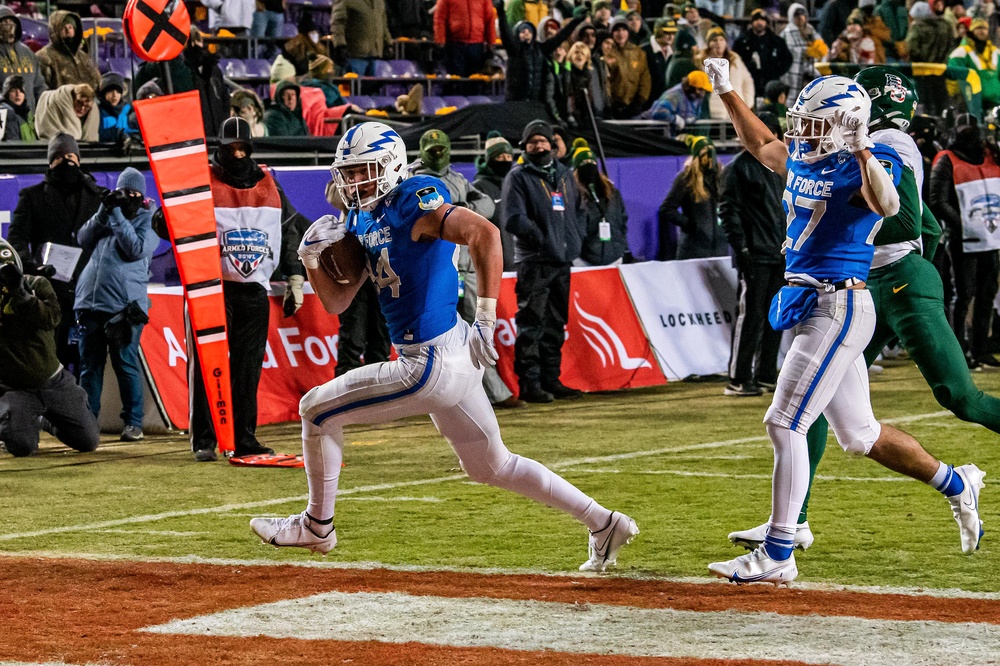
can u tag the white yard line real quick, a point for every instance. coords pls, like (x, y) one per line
(509, 624)
(565, 464)
(723, 475)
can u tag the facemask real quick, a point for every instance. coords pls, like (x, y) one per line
(588, 173)
(541, 158)
(66, 173)
(500, 167)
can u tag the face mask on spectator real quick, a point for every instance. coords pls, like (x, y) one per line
(588, 173)
(238, 167)
(500, 167)
(66, 172)
(540, 158)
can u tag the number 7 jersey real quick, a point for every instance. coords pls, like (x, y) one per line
(831, 231)
(417, 280)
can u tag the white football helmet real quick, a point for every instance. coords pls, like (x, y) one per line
(812, 130)
(376, 146)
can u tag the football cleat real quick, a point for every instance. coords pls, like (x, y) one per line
(965, 506)
(605, 543)
(756, 567)
(754, 537)
(293, 531)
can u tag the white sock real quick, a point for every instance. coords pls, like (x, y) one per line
(323, 452)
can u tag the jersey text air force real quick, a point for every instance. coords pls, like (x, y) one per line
(417, 281)
(831, 230)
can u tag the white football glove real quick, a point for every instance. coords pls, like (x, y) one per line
(853, 129)
(323, 233)
(481, 347)
(718, 74)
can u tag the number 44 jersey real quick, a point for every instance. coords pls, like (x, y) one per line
(831, 230)
(417, 280)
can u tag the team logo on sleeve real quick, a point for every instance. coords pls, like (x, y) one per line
(245, 248)
(429, 198)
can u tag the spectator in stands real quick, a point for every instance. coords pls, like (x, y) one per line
(587, 34)
(638, 33)
(628, 76)
(602, 13)
(149, 90)
(985, 9)
(805, 46)
(754, 222)
(856, 46)
(684, 103)
(303, 47)
(52, 212)
(20, 117)
(555, 80)
(33, 383)
(978, 53)
(321, 71)
(360, 34)
(895, 15)
(246, 105)
(928, 40)
(16, 59)
(282, 69)
(832, 19)
(561, 141)
(956, 188)
(690, 23)
(878, 31)
(491, 169)
(776, 100)
(264, 214)
(584, 90)
(696, 192)
(681, 63)
(63, 60)
(764, 53)
(526, 56)
(538, 209)
(600, 212)
(115, 109)
(284, 118)
(230, 14)
(68, 109)
(658, 52)
(466, 30)
(547, 28)
(111, 302)
(268, 21)
(718, 47)
(962, 28)
(526, 10)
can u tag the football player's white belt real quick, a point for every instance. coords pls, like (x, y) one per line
(806, 281)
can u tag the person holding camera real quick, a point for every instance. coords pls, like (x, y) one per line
(111, 301)
(33, 384)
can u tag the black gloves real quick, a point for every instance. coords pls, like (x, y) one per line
(744, 264)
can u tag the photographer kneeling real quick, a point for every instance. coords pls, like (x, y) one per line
(111, 301)
(33, 383)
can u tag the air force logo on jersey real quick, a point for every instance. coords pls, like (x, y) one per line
(429, 198)
(245, 248)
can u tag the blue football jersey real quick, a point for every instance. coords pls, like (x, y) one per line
(417, 281)
(831, 231)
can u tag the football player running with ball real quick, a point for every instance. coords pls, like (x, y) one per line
(839, 187)
(908, 294)
(408, 231)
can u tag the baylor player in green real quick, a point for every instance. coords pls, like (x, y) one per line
(906, 288)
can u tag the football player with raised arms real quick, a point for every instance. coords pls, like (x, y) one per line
(839, 187)
(409, 230)
(908, 296)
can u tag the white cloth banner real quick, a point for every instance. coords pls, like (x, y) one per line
(687, 309)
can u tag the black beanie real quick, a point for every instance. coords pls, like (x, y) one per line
(62, 144)
(536, 128)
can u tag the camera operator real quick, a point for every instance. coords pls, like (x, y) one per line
(33, 383)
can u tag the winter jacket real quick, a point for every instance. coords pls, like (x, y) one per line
(677, 108)
(805, 49)
(491, 186)
(115, 120)
(750, 209)
(239, 98)
(765, 56)
(701, 234)
(526, 10)
(895, 15)
(678, 67)
(280, 120)
(578, 81)
(526, 61)
(229, 13)
(462, 192)
(55, 114)
(542, 234)
(63, 62)
(930, 40)
(656, 62)
(556, 82)
(299, 49)
(19, 128)
(17, 59)
(361, 26)
(832, 20)
(742, 82)
(589, 215)
(331, 91)
(985, 64)
(118, 270)
(628, 80)
(464, 22)
(27, 336)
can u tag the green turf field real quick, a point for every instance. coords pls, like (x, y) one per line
(688, 464)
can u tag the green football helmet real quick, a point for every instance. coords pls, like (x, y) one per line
(894, 98)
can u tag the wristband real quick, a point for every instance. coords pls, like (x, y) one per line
(486, 309)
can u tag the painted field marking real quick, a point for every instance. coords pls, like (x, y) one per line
(723, 475)
(394, 617)
(404, 484)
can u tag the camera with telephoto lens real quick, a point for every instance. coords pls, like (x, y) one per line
(115, 199)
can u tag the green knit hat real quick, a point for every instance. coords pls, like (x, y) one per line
(497, 145)
(696, 144)
(581, 153)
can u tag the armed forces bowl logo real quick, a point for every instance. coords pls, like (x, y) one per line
(985, 210)
(246, 248)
